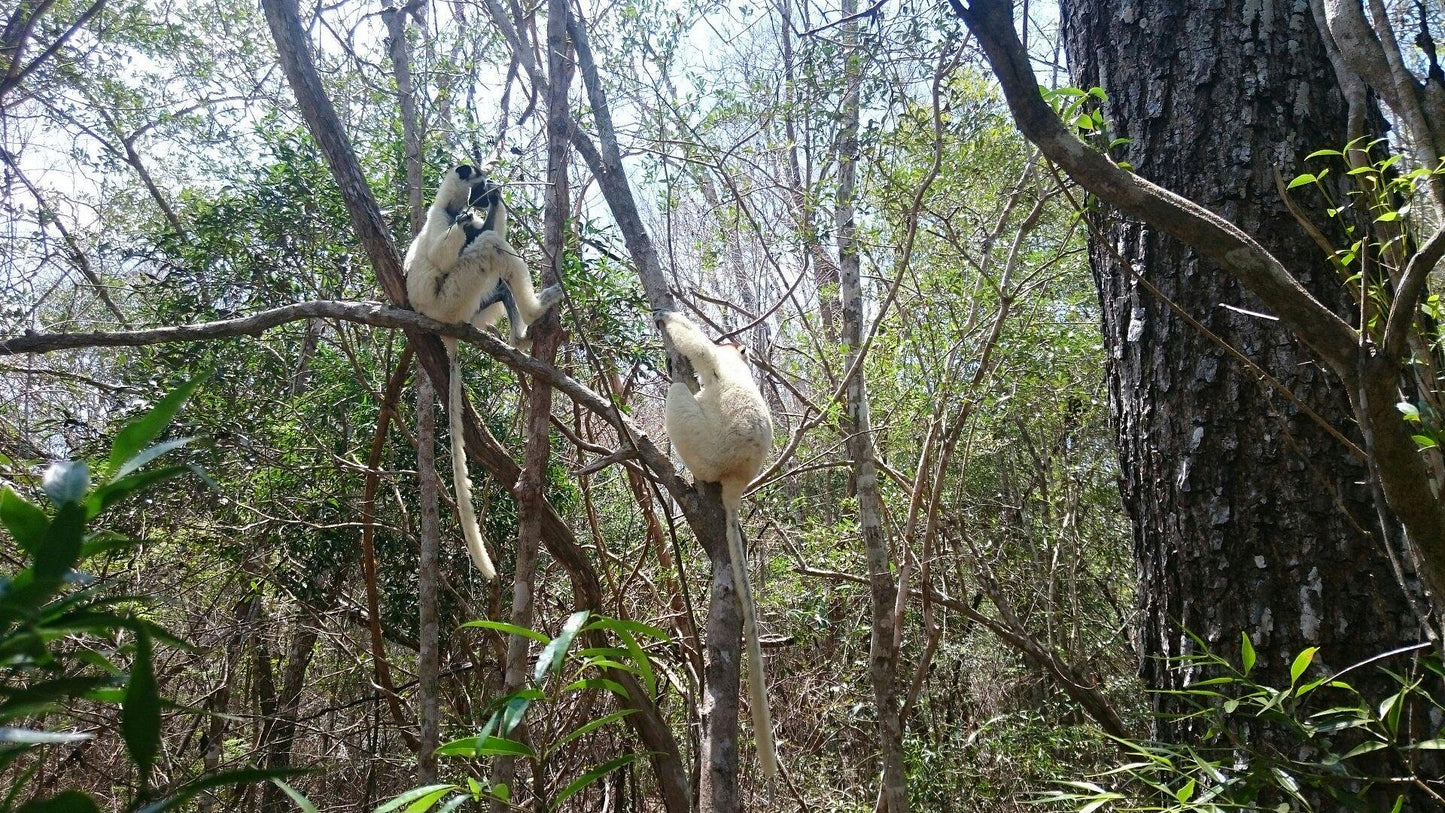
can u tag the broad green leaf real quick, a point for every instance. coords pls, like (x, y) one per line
(1324, 154)
(1301, 180)
(302, 803)
(1185, 793)
(410, 796)
(140, 714)
(501, 791)
(1428, 745)
(510, 629)
(244, 776)
(635, 627)
(606, 684)
(590, 726)
(60, 547)
(556, 650)
(1409, 410)
(644, 664)
(139, 433)
(592, 776)
(23, 519)
(512, 714)
(428, 801)
(117, 490)
(1246, 652)
(148, 455)
(1301, 663)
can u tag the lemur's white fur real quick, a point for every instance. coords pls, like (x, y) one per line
(723, 435)
(462, 269)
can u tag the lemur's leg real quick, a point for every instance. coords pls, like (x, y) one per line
(503, 294)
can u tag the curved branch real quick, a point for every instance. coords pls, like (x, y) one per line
(1222, 242)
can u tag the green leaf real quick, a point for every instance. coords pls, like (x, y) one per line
(1410, 411)
(140, 714)
(1185, 793)
(1301, 180)
(1424, 441)
(1428, 745)
(590, 726)
(510, 629)
(1246, 652)
(606, 684)
(592, 776)
(411, 796)
(23, 519)
(244, 776)
(139, 433)
(553, 652)
(644, 664)
(1324, 154)
(512, 714)
(635, 627)
(60, 547)
(302, 803)
(117, 490)
(426, 802)
(71, 801)
(1301, 663)
(148, 455)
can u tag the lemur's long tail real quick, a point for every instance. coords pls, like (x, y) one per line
(471, 531)
(757, 687)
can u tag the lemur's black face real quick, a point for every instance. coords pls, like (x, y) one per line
(465, 172)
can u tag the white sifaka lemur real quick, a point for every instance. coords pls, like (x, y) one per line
(461, 268)
(723, 435)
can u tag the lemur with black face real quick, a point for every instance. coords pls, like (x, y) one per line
(723, 435)
(460, 268)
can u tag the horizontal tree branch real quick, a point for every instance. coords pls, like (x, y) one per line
(367, 313)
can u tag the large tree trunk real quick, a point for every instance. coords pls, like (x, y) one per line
(1247, 515)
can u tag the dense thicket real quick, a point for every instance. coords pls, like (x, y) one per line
(939, 533)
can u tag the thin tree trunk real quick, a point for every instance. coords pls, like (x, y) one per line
(882, 659)
(546, 335)
(428, 575)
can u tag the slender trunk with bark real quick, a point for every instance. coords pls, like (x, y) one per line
(1247, 515)
(428, 661)
(883, 591)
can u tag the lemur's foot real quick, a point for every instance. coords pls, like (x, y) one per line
(550, 296)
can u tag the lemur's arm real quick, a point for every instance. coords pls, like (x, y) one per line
(447, 248)
(688, 340)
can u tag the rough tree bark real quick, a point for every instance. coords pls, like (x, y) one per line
(1247, 515)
